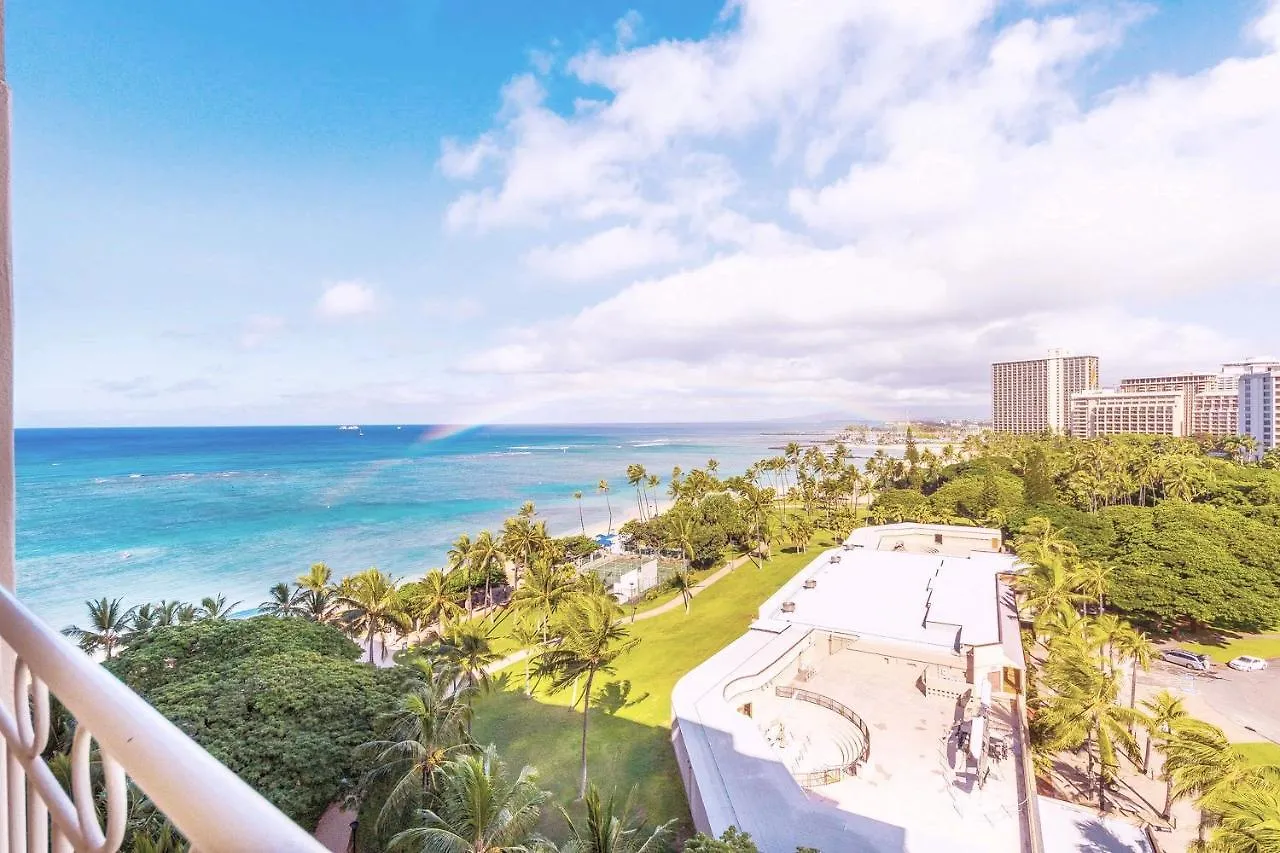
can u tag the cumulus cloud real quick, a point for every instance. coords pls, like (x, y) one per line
(346, 299)
(606, 253)
(876, 198)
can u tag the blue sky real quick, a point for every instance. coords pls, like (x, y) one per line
(328, 212)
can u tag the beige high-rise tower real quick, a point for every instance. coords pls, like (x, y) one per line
(1035, 396)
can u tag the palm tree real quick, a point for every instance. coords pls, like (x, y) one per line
(521, 539)
(1200, 761)
(526, 633)
(1094, 578)
(487, 555)
(468, 646)
(681, 583)
(284, 602)
(318, 604)
(1249, 816)
(1133, 645)
(478, 810)
(1164, 713)
(593, 636)
(1082, 710)
(433, 602)
(216, 608)
(373, 606)
(637, 476)
(546, 587)
(612, 828)
(460, 560)
(109, 623)
(653, 482)
(577, 496)
(428, 729)
(317, 579)
(603, 488)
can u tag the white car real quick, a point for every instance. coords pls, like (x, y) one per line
(1247, 663)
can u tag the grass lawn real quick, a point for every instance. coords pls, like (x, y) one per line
(1263, 752)
(1225, 646)
(629, 741)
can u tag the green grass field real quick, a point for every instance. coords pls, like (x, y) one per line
(629, 740)
(1263, 752)
(1226, 646)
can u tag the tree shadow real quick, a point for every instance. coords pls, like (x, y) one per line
(621, 755)
(614, 696)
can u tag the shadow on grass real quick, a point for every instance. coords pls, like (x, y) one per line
(621, 755)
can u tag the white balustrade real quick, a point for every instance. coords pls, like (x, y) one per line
(208, 803)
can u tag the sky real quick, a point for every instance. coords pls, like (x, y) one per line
(237, 212)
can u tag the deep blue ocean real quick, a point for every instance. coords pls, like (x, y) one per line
(181, 513)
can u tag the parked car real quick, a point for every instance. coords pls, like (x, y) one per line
(1247, 663)
(1191, 660)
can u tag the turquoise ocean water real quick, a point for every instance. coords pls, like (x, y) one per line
(186, 512)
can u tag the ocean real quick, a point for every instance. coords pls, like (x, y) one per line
(181, 513)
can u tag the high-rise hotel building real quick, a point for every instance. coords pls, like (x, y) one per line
(1035, 396)
(1259, 394)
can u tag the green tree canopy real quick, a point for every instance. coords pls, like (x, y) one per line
(282, 702)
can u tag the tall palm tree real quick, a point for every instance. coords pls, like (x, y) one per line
(1164, 714)
(487, 555)
(109, 623)
(592, 637)
(318, 604)
(469, 646)
(373, 606)
(653, 481)
(1132, 645)
(460, 560)
(546, 587)
(433, 602)
(216, 607)
(1094, 578)
(577, 496)
(637, 476)
(603, 488)
(521, 539)
(285, 601)
(610, 827)
(681, 583)
(526, 633)
(1082, 711)
(479, 810)
(1201, 762)
(318, 578)
(427, 730)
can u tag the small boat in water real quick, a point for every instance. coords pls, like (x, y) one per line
(350, 427)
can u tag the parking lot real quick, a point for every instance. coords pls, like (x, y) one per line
(1246, 705)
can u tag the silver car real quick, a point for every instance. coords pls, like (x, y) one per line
(1248, 663)
(1191, 660)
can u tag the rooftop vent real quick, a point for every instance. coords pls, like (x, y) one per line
(788, 607)
(810, 583)
(835, 558)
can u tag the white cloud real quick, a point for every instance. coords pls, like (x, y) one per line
(883, 196)
(259, 329)
(607, 253)
(346, 299)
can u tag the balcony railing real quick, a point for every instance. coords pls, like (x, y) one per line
(208, 803)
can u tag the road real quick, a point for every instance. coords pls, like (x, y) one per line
(1245, 704)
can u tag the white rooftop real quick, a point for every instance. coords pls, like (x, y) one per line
(1069, 828)
(885, 583)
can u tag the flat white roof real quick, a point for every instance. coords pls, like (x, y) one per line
(938, 600)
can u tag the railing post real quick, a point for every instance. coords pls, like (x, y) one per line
(9, 799)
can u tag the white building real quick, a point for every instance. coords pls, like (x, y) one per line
(1259, 414)
(1116, 411)
(874, 706)
(1035, 396)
